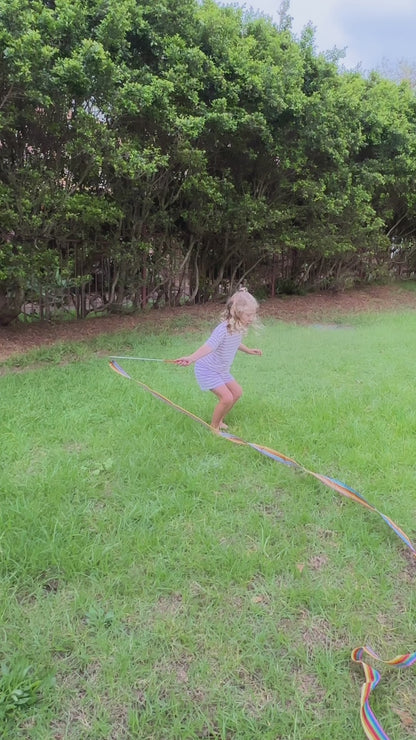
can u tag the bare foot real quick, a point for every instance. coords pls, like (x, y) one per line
(223, 425)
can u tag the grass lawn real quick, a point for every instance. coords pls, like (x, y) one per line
(160, 583)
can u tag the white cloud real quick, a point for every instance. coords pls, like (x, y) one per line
(370, 30)
(377, 6)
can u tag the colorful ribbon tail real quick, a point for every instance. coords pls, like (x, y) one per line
(118, 369)
(332, 483)
(369, 721)
(371, 725)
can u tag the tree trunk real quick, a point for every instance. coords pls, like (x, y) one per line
(10, 304)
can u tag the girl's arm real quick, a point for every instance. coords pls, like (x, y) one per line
(249, 351)
(197, 355)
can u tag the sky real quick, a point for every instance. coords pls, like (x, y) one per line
(374, 33)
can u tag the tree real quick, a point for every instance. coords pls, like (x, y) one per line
(169, 148)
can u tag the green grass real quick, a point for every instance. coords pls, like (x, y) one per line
(159, 582)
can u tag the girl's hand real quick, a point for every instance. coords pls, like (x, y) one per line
(183, 361)
(255, 352)
(198, 355)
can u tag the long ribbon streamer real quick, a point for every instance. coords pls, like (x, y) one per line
(332, 483)
(371, 726)
(369, 721)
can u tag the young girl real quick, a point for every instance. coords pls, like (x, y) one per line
(214, 359)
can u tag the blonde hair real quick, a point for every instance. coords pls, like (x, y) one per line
(238, 304)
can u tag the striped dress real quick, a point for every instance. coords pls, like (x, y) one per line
(213, 370)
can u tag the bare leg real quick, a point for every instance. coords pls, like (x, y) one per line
(227, 395)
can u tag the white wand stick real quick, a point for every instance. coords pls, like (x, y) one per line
(142, 359)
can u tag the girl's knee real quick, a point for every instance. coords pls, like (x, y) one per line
(230, 398)
(237, 392)
(224, 395)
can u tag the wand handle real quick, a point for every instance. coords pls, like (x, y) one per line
(141, 359)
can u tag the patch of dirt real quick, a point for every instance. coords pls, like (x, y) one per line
(316, 307)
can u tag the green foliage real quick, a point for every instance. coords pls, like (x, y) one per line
(98, 617)
(205, 130)
(20, 688)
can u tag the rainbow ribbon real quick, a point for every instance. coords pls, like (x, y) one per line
(336, 485)
(369, 721)
(371, 726)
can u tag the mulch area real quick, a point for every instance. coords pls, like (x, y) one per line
(22, 337)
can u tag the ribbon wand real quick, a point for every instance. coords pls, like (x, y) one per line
(141, 359)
